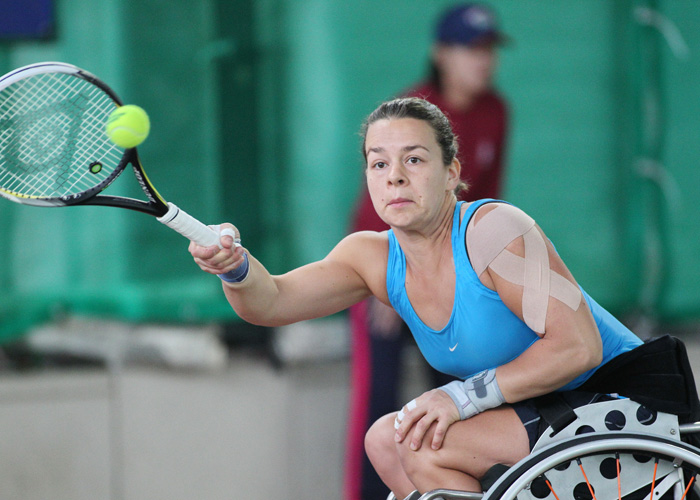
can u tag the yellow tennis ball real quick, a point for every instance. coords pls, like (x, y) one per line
(128, 126)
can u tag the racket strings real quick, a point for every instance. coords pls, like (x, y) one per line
(52, 139)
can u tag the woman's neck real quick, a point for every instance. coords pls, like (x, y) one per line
(425, 249)
(458, 99)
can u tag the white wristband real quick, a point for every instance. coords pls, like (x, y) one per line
(476, 394)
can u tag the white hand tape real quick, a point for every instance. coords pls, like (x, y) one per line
(399, 416)
(230, 232)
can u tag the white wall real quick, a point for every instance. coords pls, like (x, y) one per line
(247, 432)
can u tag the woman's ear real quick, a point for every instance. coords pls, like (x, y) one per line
(454, 174)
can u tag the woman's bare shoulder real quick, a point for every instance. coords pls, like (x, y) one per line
(371, 245)
(367, 253)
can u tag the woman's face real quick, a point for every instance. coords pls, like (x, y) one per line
(467, 68)
(406, 178)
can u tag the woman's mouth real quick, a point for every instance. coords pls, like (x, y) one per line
(397, 202)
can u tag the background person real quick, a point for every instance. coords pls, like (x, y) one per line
(460, 82)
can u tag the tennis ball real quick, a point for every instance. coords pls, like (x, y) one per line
(128, 126)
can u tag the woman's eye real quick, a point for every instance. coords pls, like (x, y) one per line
(379, 165)
(414, 160)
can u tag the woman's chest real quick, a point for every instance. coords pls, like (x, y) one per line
(432, 300)
(480, 333)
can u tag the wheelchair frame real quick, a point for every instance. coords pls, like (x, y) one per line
(587, 461)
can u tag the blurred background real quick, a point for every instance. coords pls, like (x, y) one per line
(126, 374)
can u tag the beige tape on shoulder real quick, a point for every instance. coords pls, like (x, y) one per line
(532, 272)
(494, 232)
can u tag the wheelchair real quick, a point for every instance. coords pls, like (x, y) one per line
(615, 449)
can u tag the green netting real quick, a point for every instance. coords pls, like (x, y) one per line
(255, 108)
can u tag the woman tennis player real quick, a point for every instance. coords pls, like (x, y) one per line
(483, 290)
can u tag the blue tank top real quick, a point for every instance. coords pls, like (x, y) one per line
(482, 332)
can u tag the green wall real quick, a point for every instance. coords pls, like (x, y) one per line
(255, 108)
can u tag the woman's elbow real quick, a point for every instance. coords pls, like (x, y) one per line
(260, 319)
(590, 356)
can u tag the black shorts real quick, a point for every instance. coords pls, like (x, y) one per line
(532, 420)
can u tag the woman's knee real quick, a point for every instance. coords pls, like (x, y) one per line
(471, 446)
(379, 439)
(415, 461)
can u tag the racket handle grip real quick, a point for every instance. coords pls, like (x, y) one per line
(182, 222)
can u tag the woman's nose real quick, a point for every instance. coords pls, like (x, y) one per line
(396, 174)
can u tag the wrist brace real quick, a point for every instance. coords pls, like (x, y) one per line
(476, 394)
(239, 274)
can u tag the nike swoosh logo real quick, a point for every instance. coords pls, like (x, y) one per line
(455, 347)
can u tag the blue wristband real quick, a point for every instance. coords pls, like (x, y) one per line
(239, 274)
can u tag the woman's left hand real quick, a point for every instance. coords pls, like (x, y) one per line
(432, 407)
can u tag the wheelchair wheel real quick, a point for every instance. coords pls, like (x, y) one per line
(604, 466)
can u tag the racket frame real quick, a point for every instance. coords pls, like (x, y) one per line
(166, 213)
(155, 205)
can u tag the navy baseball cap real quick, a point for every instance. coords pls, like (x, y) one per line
(469, 24)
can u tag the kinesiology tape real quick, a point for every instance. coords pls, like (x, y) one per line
(476, 394)
(486, 243)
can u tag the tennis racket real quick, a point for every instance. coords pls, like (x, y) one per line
(54, 150)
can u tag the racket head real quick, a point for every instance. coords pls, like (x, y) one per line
(54, 150)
